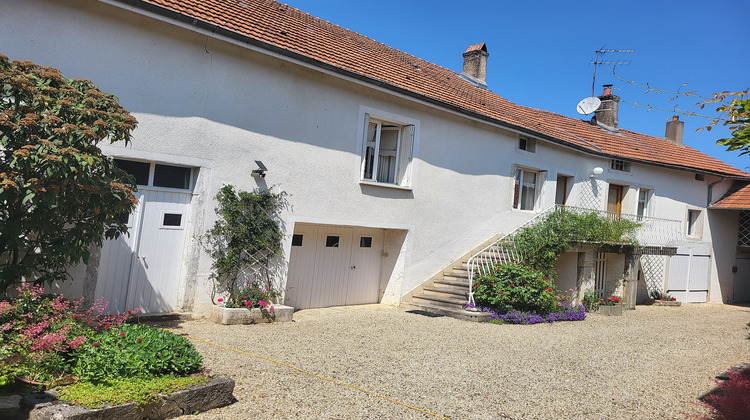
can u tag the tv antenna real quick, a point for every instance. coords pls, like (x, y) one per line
(599, 60)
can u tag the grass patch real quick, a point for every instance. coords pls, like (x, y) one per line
(142, 391)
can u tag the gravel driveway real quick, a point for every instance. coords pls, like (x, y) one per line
(649, 363)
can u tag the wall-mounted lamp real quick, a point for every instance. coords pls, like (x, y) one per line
(596, 172)
(260, 172)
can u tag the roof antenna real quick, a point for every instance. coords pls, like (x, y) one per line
(599, 60)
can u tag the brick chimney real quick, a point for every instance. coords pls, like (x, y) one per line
(475, 64)
(606, 115)
(674, 130)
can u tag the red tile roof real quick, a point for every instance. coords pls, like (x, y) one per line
(737, 198)
(286, 30)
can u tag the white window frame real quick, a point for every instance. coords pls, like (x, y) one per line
(694, 223)
(646, 201)
(407, 146)
(519, 171)
(619, 165)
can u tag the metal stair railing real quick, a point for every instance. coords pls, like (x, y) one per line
(652, 232)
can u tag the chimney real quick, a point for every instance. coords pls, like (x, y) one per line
(674, 130)
(606, 115)
(475, 64)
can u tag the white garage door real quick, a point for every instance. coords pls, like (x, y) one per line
(334, 266)
(689, 274)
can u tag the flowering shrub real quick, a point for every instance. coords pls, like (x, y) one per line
(612, 300)
(250, 296)
(732, 401)
(129, 351)
(39, 332)
(515, 286)
(591, 300)
(657, 295)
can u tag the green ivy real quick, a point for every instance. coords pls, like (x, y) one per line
(246, 238)
(542, 244)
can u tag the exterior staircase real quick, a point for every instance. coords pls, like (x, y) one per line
(447, 293)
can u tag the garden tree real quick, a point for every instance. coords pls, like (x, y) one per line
(58, 194)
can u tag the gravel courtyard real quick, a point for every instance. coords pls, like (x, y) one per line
(649, 363)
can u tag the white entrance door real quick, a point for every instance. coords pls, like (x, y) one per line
(334, 266)
(144, 269)
(689, 274)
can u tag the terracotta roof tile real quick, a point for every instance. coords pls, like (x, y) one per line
(282, 26)
(738, 197)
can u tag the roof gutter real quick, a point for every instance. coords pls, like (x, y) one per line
(215, 29)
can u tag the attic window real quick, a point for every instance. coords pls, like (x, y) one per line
(528, 145)
(620, 165)
(700, 177)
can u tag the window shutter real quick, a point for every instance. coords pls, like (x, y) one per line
(541, 177)
(365, 127)
(405, 155)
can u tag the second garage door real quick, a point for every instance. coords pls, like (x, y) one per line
(334, 266)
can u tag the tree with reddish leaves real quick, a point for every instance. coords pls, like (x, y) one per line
(58, 194)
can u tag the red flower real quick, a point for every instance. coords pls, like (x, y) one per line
(512, 285)
(244, 297)
(492, 284)
(122, 334)
(95, 344)
(248, 303)
(502, 293)
(138, 340)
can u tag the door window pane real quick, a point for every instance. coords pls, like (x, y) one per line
(172, 176)
(332, 241)
(365, 242)
(138, 170)
(172, 219)
(297, 239)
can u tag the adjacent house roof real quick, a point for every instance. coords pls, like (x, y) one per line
(285, 30)
(737, 198)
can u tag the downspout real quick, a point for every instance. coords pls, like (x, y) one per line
(711, 189)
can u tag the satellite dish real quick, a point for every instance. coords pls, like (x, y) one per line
(588, 105)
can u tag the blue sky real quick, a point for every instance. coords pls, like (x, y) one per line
(540, 50)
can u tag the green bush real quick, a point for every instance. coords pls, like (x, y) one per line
(134, 351)
(516, 286)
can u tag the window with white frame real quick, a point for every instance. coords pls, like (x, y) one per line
(694, 226)
(620, 165)
(527, 144)
(527, 187)
(387, 151)
(644, 201)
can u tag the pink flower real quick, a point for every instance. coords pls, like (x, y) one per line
(248, 303)
(570, 290)
(262, 303)
(271, 308)
(220, 300)
(559, 304)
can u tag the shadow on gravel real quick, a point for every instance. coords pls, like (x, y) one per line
(423, 313)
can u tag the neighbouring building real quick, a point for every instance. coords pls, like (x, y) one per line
(396, 169)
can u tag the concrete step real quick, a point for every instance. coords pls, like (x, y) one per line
(457, 272)
(451, 291)
(437, 300)
(452, 282)
(442, 311)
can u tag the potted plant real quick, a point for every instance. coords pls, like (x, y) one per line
(663, 299)
(610, 306)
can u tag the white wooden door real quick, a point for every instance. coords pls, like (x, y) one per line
(364, 267)
(689, 274)
(333, 266)
(145, 269)
(742, 281)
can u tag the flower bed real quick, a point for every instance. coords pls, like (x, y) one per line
(232, 316)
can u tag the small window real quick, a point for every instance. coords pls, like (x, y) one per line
(700, 177)
(123, 218)
(365, 242)
(172, 219)
(644, 198)
(693, 223)
(387, 151)
(332, 241)
(297, 239)
(528, 145)
(172, 176)
(620, 165)
(563, 188)
(138, 170)
(526, 190)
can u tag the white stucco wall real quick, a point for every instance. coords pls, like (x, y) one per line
(222, 106)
